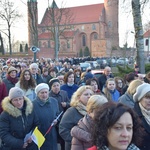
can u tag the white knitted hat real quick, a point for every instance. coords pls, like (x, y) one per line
(15, 92)
(41, 86)
(141, 91)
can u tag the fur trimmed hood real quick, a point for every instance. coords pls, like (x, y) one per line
(15, 112)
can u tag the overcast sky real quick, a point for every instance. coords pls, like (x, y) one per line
(125, 17)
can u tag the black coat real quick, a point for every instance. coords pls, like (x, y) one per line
(15, 124)
(146, 139)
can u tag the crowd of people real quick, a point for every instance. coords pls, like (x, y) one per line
(97, 113)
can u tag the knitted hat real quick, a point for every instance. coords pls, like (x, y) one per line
(40, 87)
(52, 81)
(15, 92)
(141, 91)
(34, 65)
(11, 69)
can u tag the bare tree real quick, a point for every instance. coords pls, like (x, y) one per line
(147, 26)
(138, 27)
(8, 17)
(57, 21)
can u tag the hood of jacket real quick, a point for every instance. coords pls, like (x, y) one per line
(14, 111)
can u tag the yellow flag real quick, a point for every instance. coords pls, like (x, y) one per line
(37, 137)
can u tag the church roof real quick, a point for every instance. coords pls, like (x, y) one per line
(147, 34)
(83, 14)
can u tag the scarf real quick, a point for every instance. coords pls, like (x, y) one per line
(145, 113)
(12, 80)
(81, 109)
(130, 147)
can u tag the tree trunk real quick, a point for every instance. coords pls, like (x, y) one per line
(138, 34)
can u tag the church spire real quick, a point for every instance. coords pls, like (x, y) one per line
(54, 5)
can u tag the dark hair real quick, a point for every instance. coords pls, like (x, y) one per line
(88, 82)
(67, 75)
(24, 84)
(105, 117)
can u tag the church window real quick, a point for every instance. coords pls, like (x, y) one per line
(49, 44)
(95, 36)
(82, 27)
(68, 44)
(83, 40)
(93, 27)
(109, 24)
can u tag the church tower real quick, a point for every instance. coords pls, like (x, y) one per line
(111, 20)
(32, 23)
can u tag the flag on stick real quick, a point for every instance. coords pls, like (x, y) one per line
(37, 137)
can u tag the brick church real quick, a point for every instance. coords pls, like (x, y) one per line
(91, 26)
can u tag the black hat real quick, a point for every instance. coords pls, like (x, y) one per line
(52, 81)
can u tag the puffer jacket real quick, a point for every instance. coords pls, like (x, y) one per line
(82, 134)
(16, 123)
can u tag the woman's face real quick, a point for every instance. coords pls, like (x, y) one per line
(120, 134)
(43, 94)
(27, 76)
(18, 102)
(145, 102)
(71, 79)
(94, 86)
(55, 87)
(85, 96)
(13, 74)
(120, 83)
(111, 85)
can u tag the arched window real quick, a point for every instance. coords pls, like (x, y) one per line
(49, 44)
(93, 27)
(68, 44)
(95, 36)
(83, 40)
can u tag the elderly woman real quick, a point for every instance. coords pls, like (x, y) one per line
(74, 113)
(142, 107)
(47, 110)
(16, 121)
(116, 127)
(11, 78)
(82, 132)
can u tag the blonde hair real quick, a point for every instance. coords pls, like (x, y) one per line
(133, 85)
(95, 101)
(76, 96)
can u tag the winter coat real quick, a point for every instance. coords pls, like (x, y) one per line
(127, 99)
(82, 134)
(15, 124)
(62, 96)
(146, 139)
(69, 120)
(30, 93)
(46, 113)
(3, 93)
(69, 89)
(8, 84)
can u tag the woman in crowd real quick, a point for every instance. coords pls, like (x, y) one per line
(119, 84)
(127, 98)
(3, 92)
(70, 87)
(147, 78)
(27, 84)
(110, 90)
(142, 107)
(16, 121)
(47, 110)
(117, 127)
(77, 74)
(94, 84)
(82, 132)
(11, 78)
(74, 113)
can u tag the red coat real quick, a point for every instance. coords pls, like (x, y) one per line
(3, 93)
(93, 148)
